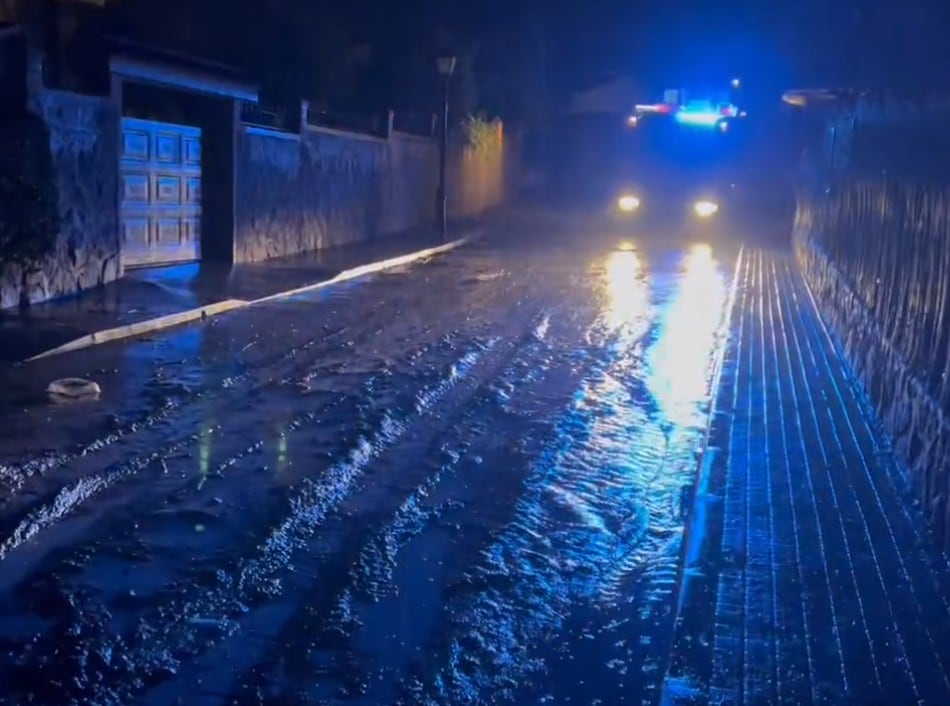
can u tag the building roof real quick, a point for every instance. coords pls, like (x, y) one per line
(810, 97)
(148, 64)
(615, 96)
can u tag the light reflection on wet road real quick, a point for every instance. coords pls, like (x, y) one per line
(458, 483)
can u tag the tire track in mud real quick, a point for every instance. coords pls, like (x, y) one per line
(332, 621)
(360, 577)
(583, 523)
(522, 369)
(310, 505)
(522, 586)
(320, 564)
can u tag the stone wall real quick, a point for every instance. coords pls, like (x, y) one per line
(323, 188)
(294, 191)
(873, 241)
(480, 170)
(83, 132)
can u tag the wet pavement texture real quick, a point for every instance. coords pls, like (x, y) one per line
(457, 482)
(465, 481)
(816, 582)
(158, 291)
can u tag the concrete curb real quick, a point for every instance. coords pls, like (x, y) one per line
(163, 322)
(143, 327)
(678, 690)
(375, 267)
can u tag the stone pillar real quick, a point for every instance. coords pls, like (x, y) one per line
(220, 142)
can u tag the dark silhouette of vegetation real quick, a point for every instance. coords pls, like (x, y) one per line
(360, 55)
(29, 216)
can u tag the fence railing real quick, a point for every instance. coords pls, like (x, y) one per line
(293, 119)
(421, 124)
(374, 125)
(275, 117)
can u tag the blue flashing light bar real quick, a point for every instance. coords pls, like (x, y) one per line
(707, 114)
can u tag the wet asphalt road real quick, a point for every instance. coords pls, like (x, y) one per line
(460, 482)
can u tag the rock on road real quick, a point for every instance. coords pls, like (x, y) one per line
(460, 482)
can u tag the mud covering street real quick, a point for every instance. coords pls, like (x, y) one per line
(463, 481)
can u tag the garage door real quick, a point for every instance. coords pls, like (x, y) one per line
(160, 193)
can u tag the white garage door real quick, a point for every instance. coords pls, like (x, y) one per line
(160, 193)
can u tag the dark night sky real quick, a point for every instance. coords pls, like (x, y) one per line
(803, 42)
(567, 43)
(773, 44)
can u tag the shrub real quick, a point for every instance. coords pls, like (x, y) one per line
(29, 217)
(481, 134)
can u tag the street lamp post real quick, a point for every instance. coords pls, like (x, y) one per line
(446, 66)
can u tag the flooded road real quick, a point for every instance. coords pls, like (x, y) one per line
(461, 482)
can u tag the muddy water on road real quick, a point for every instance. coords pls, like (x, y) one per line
(458, 483)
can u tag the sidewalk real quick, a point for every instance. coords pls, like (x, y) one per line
(812, 580)
(144, 295)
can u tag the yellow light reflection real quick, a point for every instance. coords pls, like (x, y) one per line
(627, 296)
(681, 361)
(205, 444)
(699, 253)
(281, 451)
(204, 450)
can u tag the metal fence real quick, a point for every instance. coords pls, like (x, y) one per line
(275, 117)
(287, 118)
(375, 125)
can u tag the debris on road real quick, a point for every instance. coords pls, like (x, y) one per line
(68, 389)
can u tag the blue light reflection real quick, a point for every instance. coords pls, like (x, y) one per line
(700, 118)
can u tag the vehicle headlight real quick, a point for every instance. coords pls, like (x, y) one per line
(628, 203)
(705, 209)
